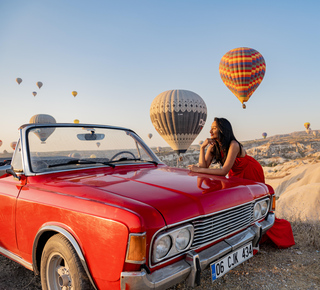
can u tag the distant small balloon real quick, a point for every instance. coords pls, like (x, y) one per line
(264, 135)
(34, 93)
(98, 144)
(76, 121)
(150, 135)
(19, 81)
(315, 133)
(200, 142)
(13, 145)
(0, 143)
(39, 84)
(159, 149)
(74, 93)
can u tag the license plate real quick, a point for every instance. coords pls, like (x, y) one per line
(230, 261)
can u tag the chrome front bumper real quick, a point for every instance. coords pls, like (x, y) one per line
(194, 263)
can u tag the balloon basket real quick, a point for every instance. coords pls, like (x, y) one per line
(244, 106)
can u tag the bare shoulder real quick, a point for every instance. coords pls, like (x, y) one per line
(236, 146)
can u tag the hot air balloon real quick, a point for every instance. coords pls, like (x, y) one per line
(159, 149)
(150, 135)
(39, 84)
(43, 133)
(0, 143)
(178, 116)
(315, 133)
(13, 145)
(98, 144)
(200, 143)
(74, 93)
(242, 70)
(264, 135)
(19, 81)
(306, 125)
(34, 93)
(76, 121)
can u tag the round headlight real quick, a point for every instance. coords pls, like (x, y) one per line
(264, 207)
(183, 239)
(257, 211)
(163, 247)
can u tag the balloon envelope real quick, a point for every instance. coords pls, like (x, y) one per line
(76, 121)
(34, 93)
(0, 142)
(74, 93)
(39, 84)
(43, 133)
(13, 145)
(306, 125)
(264, 135)
(19, 81)
(242, 70)
(178, 116)
(150, 135)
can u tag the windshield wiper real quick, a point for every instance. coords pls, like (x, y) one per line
(81, 161)
(134, 159)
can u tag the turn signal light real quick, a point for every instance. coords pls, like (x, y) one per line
(136, 251)
(273, 203)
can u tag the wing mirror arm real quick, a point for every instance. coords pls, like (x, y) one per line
(12, 172)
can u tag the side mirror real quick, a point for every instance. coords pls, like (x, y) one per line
(11, 171)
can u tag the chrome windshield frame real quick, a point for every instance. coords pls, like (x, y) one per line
(24, 129)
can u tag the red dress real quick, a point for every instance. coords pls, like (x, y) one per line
(249, 168)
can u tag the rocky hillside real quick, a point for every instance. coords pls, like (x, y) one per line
(269, 152)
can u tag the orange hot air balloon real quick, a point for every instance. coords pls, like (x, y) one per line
(74, 93)
(13, 145)
(242, 70)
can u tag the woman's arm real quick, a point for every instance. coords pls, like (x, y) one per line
(205, 159)
(232, 155)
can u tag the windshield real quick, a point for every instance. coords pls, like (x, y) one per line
(64, 148)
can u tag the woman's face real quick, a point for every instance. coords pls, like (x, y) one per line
(214, 130)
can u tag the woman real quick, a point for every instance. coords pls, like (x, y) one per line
(225, 149)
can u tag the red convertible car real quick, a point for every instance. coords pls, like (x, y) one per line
(92, 207)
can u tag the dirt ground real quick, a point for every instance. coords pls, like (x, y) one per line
(295, 268)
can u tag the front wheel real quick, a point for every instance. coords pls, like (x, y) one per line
(61, 267)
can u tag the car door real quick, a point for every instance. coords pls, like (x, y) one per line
(9, 191)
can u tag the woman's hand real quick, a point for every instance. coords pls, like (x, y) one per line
(193, 168)
(208, 141)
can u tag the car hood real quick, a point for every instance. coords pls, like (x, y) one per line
(176, 193)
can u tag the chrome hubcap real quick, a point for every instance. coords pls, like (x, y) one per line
(58, 275)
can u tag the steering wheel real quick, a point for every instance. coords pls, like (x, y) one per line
(122, 152)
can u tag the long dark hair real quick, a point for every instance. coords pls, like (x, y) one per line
(222, 144)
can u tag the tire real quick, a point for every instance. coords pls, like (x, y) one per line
(61, 267)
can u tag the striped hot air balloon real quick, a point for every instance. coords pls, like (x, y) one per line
(178, 116)
(242, 70)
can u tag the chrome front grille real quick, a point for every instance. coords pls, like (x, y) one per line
(211, 228)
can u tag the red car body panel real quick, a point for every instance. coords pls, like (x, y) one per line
(101, 206)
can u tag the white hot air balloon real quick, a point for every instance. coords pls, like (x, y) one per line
(39, 84)
(178, 116)
(19, 80)
(43, 133)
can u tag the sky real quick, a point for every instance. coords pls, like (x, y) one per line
(119, 55)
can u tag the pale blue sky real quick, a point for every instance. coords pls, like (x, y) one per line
(119, 55)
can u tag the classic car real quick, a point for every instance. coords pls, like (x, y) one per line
(92, 207)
